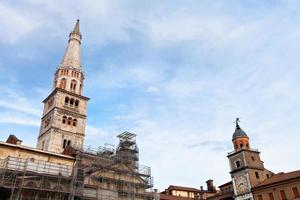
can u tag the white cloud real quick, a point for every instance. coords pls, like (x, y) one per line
(14, 24)
(13, 101)
(153, 90)
(18, 119)
(95, 132)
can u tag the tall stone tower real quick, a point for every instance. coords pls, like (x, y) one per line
(246, 167)
(64, 116)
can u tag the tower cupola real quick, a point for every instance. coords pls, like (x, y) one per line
(240, 139)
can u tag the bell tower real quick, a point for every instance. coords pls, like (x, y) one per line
(64, 116)
(246, 167)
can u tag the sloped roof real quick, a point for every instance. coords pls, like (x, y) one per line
(182, 188)
(171, 197)
(277, 178)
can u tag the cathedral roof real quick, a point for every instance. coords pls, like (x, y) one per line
(238, 131)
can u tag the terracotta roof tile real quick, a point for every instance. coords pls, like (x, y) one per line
(171, 197)
(279, 178)
(175, 187)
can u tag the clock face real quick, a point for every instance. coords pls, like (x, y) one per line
(241, 184)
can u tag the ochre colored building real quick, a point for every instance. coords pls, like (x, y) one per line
(280, 186)
(225, 192)
(180, 192)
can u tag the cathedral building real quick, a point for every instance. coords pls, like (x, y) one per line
(60, 167)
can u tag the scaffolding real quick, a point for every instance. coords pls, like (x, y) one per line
(115, 173)
(32, 179)
(105, 173)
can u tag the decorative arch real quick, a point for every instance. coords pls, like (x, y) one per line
(64, 119)
(69, 120)
(67, 99)
(73, 85)
(71, 101)
(74, 122)
(80, 88)
(76, 103)
(63, 83)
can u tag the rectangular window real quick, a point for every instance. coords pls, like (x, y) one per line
(260, 197)
(296, 192)
(271, 197)
(282, 195)
(237, 163)
(257, 175)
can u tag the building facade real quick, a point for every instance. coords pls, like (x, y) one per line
(281, 186)
(225, 192)
(174, 192)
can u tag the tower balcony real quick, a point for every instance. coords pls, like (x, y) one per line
(242, 149)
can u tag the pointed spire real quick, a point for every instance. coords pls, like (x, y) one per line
(76, 29)
(72, 53)
(238, 131)
(237, 120)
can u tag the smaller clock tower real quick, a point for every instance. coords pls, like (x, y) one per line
(246, 167)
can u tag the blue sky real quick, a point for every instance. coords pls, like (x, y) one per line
(177, 73)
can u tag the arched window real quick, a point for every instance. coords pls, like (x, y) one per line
(67, 100)
(62, 84)
(69, 120)
(73, 85)
(76, 103)
(75, 122)
(80, 88)
(64, 119)
(69, 143)
(237, 163)
(71, 102)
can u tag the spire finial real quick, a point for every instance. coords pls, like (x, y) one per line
(76, 29)
(237, 120)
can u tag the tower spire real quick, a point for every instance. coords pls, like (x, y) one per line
(71, 58)
(64, 117)
(76, 29)
(237, 126)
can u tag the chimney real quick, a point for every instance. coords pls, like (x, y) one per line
(12, 139)
(210, 185)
